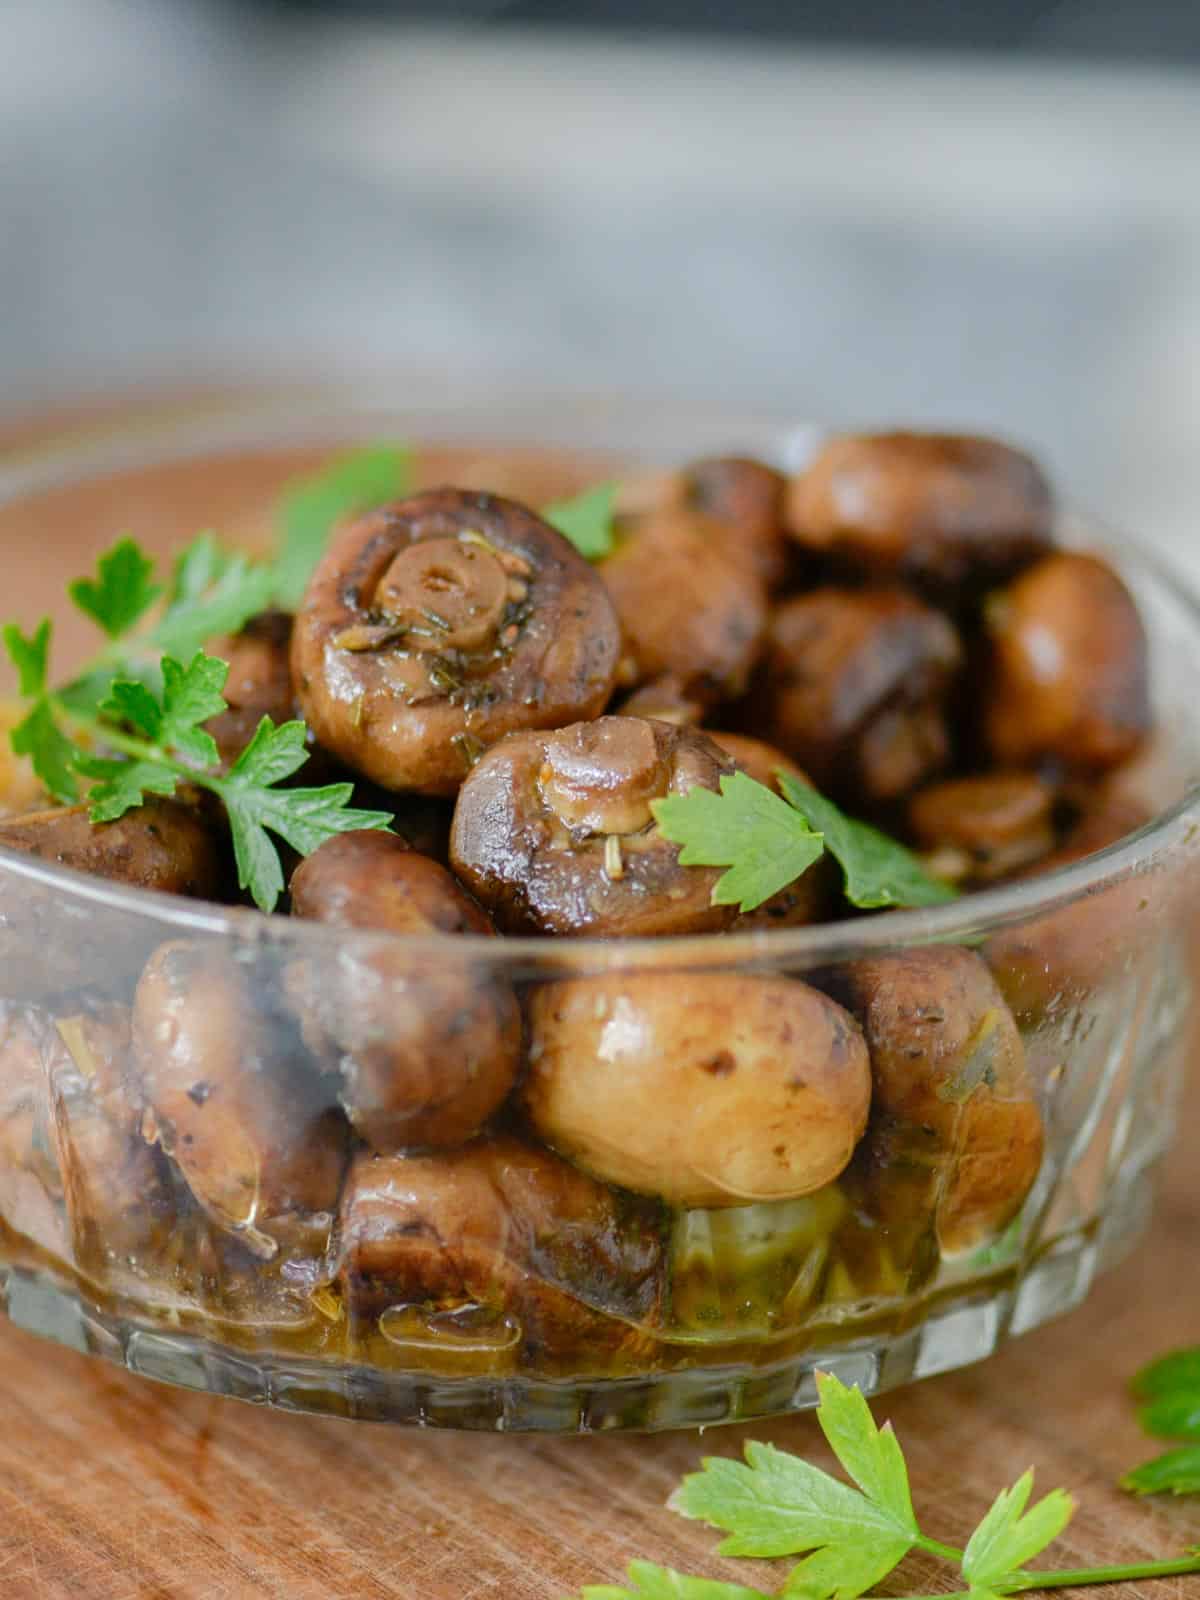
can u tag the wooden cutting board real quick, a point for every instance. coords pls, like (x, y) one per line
(112, 1488)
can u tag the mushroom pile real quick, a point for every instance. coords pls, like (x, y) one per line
(418, 1151)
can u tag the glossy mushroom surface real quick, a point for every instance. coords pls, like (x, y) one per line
(986, 826)
(503, 1233)
(854, 688)
(163, 845)
(426, 1047)
(233, 1100)
(1068, 681)
(956, 1137)
(941, 510)
(554, 833)
(688, 607)
(705, 1090)
(436, 625)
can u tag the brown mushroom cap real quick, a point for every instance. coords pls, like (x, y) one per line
(739, 499)
(1068, 681)
(249, 1125)
(746, 498)
(554, 833)
(688, 608)
(119, 1199)
(986, 826)
(665, 699)
(1057, 959)
(371, 879)
(427, 1046)
(436, 625)
(707, 1089)
(506, 1228)
(259, 683)
(163, 845)
(942, 509)
(854, 686)
(955, 1141)
(31, 1182)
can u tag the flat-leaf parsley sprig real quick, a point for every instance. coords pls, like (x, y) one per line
(1169, 1390)
(767, 842)
(136, 732)
(853, 1535)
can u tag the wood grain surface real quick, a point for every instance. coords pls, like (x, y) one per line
(112, 1488)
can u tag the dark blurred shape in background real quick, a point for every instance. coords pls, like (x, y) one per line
(932, 212)
(1124, 30)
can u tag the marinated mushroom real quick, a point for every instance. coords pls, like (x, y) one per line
(854, 688)
(162, 845)
(984, 827)
(665, 699)
(427, 1045)
(938, 510)
(740, 499)
(259, 683)
(31, 1185)
(1059, 958)
(1067, 685)
(554, 833)
(119, 1199)
(436, 625)
(499, 1236)
(232, 1099)
(746, 498)
(701, 1089)
(955, 1139)
(688, 607)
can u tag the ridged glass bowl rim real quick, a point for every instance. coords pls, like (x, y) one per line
(636, 426)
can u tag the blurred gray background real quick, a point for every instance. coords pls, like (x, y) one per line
(993, 225)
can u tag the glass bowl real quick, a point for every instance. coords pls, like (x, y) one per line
(498, 1287)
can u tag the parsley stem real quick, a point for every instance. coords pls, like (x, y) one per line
(935, 1548)
(136, 749)
(1021, 1581)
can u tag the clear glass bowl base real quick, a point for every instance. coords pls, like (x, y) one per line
(955, 1332)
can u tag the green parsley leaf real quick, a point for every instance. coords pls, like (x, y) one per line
(124, 784)
(130, 701)
(776, 1504)
(122, 591)
(759, 837)
(649, 1582)
(1009, 1536)
(138, 741)
(213, 592)
(274, 753)
(191, 695)
(586, 520)
(305, 818)
(1169, 1375)
(878, 871)
(1173, 1416)
(30, 655)
(311, 509)
(1174, 1472)
(871, 1455)
(1171, 1388)
(50, 751)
